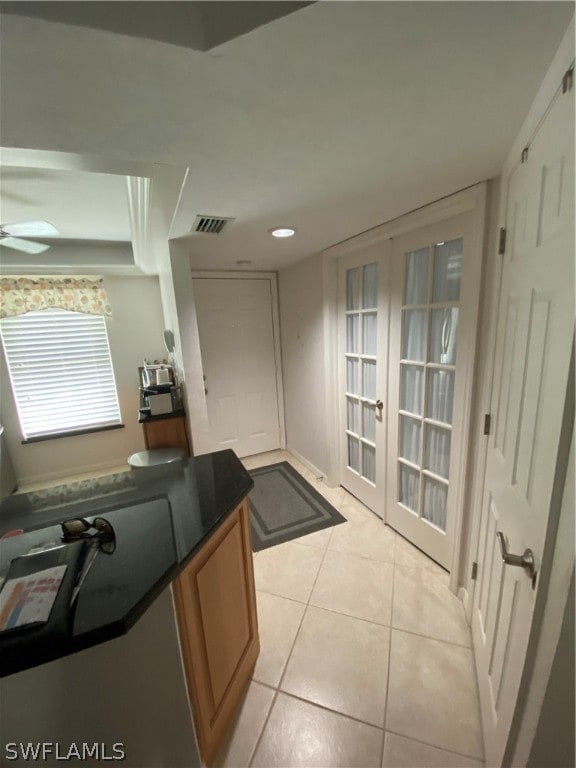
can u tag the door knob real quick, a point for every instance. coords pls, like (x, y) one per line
(379, 405)
(526, 560)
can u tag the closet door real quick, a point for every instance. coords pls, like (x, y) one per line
(433, 316)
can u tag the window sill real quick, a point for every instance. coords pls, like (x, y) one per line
(72, 433)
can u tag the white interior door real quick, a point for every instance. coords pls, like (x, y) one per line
(235, 326)
(534, 342)
(363, 333)
(434, 304)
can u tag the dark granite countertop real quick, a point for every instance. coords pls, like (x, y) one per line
(144, 417)
(161, 517)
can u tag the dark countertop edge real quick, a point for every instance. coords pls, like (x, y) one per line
(121, 627)
(71, 645)
(194, 551)
(143, 419)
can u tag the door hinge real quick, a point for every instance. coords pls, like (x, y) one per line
(502, 241)
(487, 420)
(568, 80)
(524, 155)
(474, 575)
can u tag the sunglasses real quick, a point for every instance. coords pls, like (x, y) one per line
(80, 528)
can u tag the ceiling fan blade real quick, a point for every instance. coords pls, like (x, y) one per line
(23, 245)
(30, 229)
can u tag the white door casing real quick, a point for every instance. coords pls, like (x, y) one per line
(534, 340)
(240, 362)
(363, 343)
(433, 311)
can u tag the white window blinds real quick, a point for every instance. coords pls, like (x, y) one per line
(61, 372)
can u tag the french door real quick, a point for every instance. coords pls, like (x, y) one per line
(363, 332)
(434, 298)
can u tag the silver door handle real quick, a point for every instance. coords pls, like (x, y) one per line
(525, 560)
(379, 405)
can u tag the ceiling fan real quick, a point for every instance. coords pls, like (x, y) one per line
(12, 235)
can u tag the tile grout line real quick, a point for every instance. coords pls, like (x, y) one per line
(278, 689)
(302, 619)
(435, 746)
(331, 711)
(434, 639)
(386, 697)
(259, 739)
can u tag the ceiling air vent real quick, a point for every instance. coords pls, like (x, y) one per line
(210, 225)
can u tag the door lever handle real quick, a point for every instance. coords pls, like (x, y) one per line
(526, 560)
(379, 404)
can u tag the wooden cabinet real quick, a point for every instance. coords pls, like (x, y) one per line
(169, 432)
(216, 612)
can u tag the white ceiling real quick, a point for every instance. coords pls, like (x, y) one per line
(332, 119)
(82, 206)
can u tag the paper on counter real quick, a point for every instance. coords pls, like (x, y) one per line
(29, 599)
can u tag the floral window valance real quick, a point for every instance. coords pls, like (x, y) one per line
(23, 294)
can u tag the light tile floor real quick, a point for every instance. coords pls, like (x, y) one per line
(365, 658)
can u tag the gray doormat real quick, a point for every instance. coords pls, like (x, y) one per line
(284, 506)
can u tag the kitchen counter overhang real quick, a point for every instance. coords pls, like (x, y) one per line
(162, 516)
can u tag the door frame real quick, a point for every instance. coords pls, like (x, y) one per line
(272, 278)
(470, 200)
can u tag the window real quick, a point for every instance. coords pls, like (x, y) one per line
(61, 372)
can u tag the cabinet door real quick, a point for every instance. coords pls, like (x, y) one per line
(216, 611)
(166, 433)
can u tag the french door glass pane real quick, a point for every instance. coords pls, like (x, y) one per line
(437, 453)
(368, 463)
(447, 271)
(368, 422)
(352, 370)
(440, 395)
(369, 379)
(434, 506)
(352, 333)
(369, 334)
(411, 388)
(370, 286)
(353, 288)
(410, 430)
(443, 331)
(414, 334)
(353, 454)
(353, 411)
(416, 277)
(409, 487)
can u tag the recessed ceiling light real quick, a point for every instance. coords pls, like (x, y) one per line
(282, 232)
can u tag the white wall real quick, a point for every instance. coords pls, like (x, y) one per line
(135, 332)
(303, 360)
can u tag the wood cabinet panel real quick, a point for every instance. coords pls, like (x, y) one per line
(166, 433)
(216, 612)
(225, 610)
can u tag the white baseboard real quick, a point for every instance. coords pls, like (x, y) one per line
(464, 597)
(318, 474)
